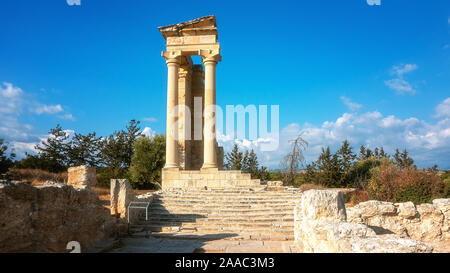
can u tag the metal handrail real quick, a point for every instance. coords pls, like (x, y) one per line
(135, 205)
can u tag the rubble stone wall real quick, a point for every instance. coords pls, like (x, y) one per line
(320, 226)
(46, 218)
(424, 222)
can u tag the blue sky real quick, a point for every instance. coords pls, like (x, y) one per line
(376, 75)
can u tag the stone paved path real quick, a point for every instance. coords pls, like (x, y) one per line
(162, 245)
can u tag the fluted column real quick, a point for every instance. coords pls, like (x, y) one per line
(173, 64)
(209, 133)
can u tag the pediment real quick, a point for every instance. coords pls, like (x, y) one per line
(198, 27)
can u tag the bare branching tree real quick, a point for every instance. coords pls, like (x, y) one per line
(295, 159)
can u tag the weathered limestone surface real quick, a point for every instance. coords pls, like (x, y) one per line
(425, 222)
(46, 218)
(274, 183)
(121, 195)
(82, 176)
(320, 226)
(206, 178)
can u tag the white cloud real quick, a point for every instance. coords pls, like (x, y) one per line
(10, 99)
(67, 117)
(13, 103)
(21, 148)
(401, 86)
(150, 119)
(49, 109)
(403, 69)
(427, 143)
(10, 91)
(148, 132)
(353, 106)
(443, 109)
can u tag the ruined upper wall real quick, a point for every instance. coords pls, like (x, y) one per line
(193, 36)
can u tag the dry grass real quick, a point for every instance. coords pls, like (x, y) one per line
(36, 177)
(357, 197)
(307, 187)
(105, 196)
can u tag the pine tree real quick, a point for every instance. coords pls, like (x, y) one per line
(234, 159)
(252, 163)
(132, 133)
(362, 153)
(345, 158)
(5, 161)
(402, 160)
(54, 150)
(84, 150)
(245, 167)
(326, 167)
(117, 149)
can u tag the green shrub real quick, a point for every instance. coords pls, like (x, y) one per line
(390, 183)
(105, 174)
(147, 162)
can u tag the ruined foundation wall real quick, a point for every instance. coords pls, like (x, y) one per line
(320, 226)
(46, 218)
(424, 222)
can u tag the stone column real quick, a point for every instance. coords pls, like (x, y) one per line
(173, 64)
(184, 116)
(209, 134)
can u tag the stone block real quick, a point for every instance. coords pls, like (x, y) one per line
(406, 210)
(121, 195)
(326, 205)
(274, 183)
(82, 176)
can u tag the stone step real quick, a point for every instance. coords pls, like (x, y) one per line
(235, 230)
(286, 226)
(229, 196)
(231, 218)
(219, 206)
(189, 203)
(230, 192)
(225, 199)
(218, 236)
(203, 210)
(225, 217)
(215, 210)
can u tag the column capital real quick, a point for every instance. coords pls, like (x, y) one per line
(172, 56)
(210, 56)
(184, 72)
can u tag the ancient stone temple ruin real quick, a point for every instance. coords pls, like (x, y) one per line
(193, 157)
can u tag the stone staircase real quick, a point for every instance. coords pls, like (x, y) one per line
(235, 213)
